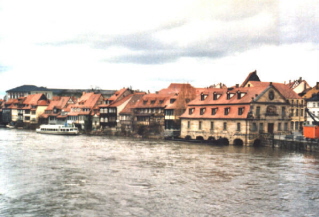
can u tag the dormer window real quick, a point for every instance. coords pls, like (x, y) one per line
(172, 101)
(191, 111)
(203, 96)
(230, 95)
(240, 111)
(226, 111)
(152, 101)
(214, 111)
(144, 102)
(216, 96)
(202, 111)
(161, 101)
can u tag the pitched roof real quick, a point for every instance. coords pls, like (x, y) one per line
(60, 103)
(287, 92)
(34, 99)
(251, 77)
(131, 104)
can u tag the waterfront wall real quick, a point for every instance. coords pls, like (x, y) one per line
(312, 146)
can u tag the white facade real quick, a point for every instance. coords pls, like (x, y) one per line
(313, 107)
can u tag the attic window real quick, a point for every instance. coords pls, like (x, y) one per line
(226, 111)
(240, 111)
(152, 101)
(144, 102)
(191, 111)
(214, 111)
(203, 96)
(161, 101)
(202, 111)
(238, 95)
(216, 96)
(172, 101)
(230, 95)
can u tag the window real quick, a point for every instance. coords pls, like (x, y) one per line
(144, 102)
(199, 125)
(301, 112)
(228, 95)
(271, 95)
(214, 110)
(226, 111)
(286, 126)
(169, 112)
(152, 102)
(190, 111)
(161, 101)
(279, 127)
(314, 104)
(238, 95)
(283, 111)
(188, 124)
(240, 111)
(211, 125)
(291, 112)
(254, 127)
(238, 126)
(215, 96)
(203, 97)
(296, 125)
(258, 111)
(261, 127)
(225, 126)
(202, 111)
(297, 112)
(172, 101)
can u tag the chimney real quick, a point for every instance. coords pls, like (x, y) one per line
(237, 85)
(317, 85)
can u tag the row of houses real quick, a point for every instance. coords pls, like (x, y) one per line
(241, 114)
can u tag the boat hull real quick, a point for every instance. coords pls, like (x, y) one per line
(57, 130)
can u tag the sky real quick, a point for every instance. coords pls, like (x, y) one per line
(148, 44)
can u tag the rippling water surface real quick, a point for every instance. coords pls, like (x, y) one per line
(46, 175)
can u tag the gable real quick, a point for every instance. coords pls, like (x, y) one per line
(271, 95)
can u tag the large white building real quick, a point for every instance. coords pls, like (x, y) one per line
(313, 107)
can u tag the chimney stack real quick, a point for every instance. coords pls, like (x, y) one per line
(317, 85)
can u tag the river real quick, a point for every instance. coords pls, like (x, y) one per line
(48, 175)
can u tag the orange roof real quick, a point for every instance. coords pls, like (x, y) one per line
(287, 92)
(251, 77)
(220, 112)
(131, 104)
(153, 100)
(60, 103)
(117, 94)
(33, 99)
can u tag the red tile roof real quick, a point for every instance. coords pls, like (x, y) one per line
(220, 113)
(33, 99)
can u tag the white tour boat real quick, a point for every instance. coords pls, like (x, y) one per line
(58, 130)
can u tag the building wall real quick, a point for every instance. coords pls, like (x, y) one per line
(313, 107)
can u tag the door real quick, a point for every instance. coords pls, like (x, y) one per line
(270, 128)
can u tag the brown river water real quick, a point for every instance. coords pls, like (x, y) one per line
(48, 175)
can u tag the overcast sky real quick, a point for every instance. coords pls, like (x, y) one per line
(148, 44)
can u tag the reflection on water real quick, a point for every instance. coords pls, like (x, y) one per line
(45, 175)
